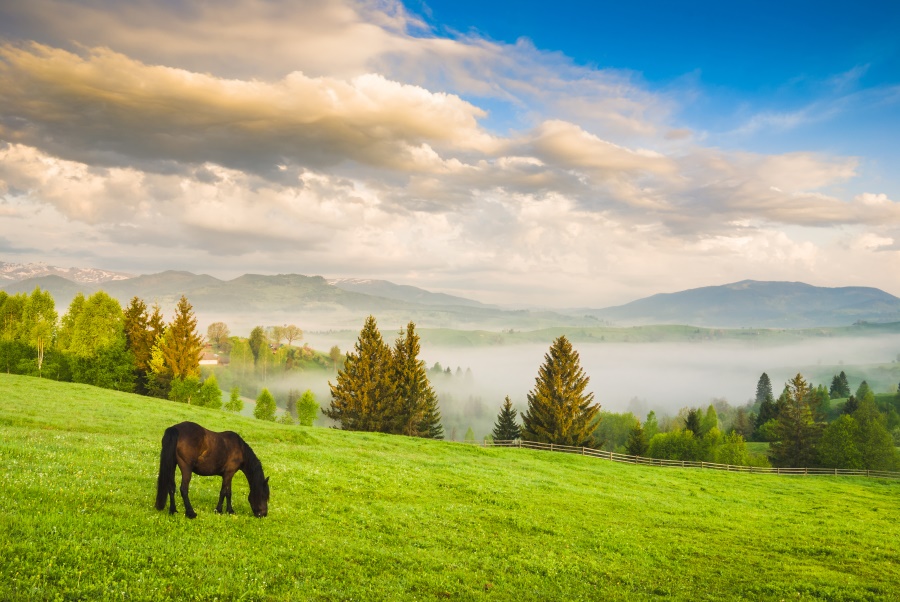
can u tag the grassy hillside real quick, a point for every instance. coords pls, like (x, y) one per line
(373, 517)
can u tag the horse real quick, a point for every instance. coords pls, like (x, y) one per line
(198, 450)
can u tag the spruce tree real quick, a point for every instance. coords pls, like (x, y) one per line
(364, 393)
(139, 339)
(840, 388)
(637, 442)
(764, 389)
(798, 434)
(559, 410)
(235, 403)
(693, 421)
(265, 406)
(506, 427)
(416, 411)
(182, 345)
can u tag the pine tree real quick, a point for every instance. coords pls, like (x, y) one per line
(693, 422)
(182, 345)
(764, 389)
(416, 412)
(506, 428)
(265, 406)
(364, 391)
(559, 410)
(139, 339)
(235, 403)
(850, 406)
(840, 388)
(875, 444)
(797, 432)
(637, 442)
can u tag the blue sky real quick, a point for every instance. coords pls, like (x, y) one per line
(559, 154)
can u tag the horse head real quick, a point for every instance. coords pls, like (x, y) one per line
(259, 499)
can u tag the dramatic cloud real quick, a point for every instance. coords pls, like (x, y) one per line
(346, 138)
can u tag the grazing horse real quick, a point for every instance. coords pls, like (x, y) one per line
(197, 450)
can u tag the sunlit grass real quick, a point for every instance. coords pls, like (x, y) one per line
(375, 517)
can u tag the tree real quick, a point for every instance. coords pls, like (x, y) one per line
(181, 344)
(39, 323)
(235, 403)
(613, 430)
(733, 450)
(415, 412)
(265, 406)
(559, 410)
(850, 406)
(241, 356)
(651, 426)
(139, 339)
(863, 391)
(364, 392)
(709, 421)
(840, 388)
(764, 389)
(637, 444)
(506, 427)
(470, 436)
(335, 355)
(837, 447)
(693, 421)
(820, 403)
(307, 408)
(218, 335)
(291, 333)
(210, 395)
(259, 342)
(186, 390)
(742, 423)
(875, 444)
(797, 432)
(95, 339)
(674, 445)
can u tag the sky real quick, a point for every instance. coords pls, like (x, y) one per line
(560, 154)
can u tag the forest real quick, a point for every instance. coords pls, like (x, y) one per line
(379, 387)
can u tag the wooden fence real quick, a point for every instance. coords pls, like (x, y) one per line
(625, 459)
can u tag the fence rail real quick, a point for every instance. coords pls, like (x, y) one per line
(626, 459)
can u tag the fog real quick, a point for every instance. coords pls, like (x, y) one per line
(654, 376)
(634, 377)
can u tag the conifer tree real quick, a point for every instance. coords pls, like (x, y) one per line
(235, 403)
(416, 411)
(364, 393)
(764, 389)
(139, 339)
(559, 410)
(265, 406)
(181, 344)
(840, 388)
(637, 442)
(694, 422)
(850, 406)
(798, 434)
(506, 427)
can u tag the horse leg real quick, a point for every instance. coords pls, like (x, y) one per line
(225, 493)
(172, 508)
(185, 483)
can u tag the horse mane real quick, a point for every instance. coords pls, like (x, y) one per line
(254, 470)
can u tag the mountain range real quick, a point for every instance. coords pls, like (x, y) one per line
(317, 304)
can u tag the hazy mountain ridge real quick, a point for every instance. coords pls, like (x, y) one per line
(343, 303)
(751, 303)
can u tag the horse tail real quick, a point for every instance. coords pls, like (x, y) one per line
(166, 481)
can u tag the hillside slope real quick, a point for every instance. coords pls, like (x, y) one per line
(376, 517)
(756, 304)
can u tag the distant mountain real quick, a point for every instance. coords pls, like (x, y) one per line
(15, 272)
(751, 303)
(401, 292)
(308, 301)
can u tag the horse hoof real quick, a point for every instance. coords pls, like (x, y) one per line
(191, 514)
(218, 511)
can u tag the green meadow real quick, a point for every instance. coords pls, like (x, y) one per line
(358, 516)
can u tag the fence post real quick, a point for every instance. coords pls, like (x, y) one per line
(805, 470)
(551, 447)
(582, 450)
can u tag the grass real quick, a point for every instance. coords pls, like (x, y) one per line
(373, 517)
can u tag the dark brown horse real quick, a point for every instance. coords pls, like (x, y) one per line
(197, 450)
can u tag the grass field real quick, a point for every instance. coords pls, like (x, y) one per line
(374, 517)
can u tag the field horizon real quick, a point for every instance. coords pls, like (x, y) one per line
(372, 516)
